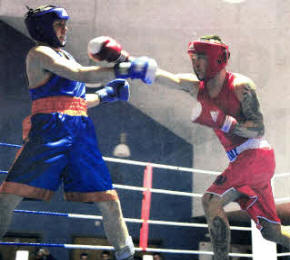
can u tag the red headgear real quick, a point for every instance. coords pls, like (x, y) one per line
(217, 55)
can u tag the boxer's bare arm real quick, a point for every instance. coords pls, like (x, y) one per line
(41, 61)
(183, 81)
(92, 100)
(253, 126)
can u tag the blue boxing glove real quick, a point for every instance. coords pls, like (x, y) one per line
(143, 68)
(115, 90)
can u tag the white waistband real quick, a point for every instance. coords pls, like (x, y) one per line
(254, 143)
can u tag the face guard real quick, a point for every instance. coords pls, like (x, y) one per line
(217, 55)
(39, 23)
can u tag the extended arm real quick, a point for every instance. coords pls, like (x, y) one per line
(44, 60)
(183, 81)
(48, 60)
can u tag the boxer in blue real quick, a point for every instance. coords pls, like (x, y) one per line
(60, 145)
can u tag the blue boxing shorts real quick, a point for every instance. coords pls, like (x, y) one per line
(60, 148)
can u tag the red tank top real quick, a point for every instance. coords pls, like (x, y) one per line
(227, 101)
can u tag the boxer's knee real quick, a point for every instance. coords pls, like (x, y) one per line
(211, 203)
(111, 207)
(8, 202)
(205, 200)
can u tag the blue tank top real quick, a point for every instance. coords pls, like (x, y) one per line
(59, 86)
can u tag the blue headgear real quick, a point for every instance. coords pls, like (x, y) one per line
(39, 23)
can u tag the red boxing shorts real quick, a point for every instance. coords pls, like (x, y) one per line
(60, 148)
(251, 174)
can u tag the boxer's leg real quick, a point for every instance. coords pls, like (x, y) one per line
(218, 225)
(275, 232)
(8, 202)
(116, 229)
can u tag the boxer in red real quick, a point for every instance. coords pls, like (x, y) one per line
(60, 143)
(227, 102)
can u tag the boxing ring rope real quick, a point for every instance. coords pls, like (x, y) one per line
(129, 220)
(147, 221)
(160, 166)
(110, 248)
(286, 174)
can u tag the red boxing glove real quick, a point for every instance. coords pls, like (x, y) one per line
(208, 114)
(105, 48)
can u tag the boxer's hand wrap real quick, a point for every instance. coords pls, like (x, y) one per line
(210, 115)
(104, 48)
(115, 90)
(143, 68)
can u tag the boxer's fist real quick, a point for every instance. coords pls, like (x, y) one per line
(143, 68)
(115, 90)
(104, 48)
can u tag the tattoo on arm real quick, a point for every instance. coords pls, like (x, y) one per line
(253, 126)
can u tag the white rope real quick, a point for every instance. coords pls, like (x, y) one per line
(176, 251)
(195, 252)
(241, 255)
(286, 174)
(96, 247)
(283, 254)
(178, 193)
(175, 168)
(282, 199)
(155, 222)
(185, 224)
(160, 166)
(85, 216)
(90, 247)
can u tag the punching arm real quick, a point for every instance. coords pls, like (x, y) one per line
(47, 60)
(187, 82)
(253, 126)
